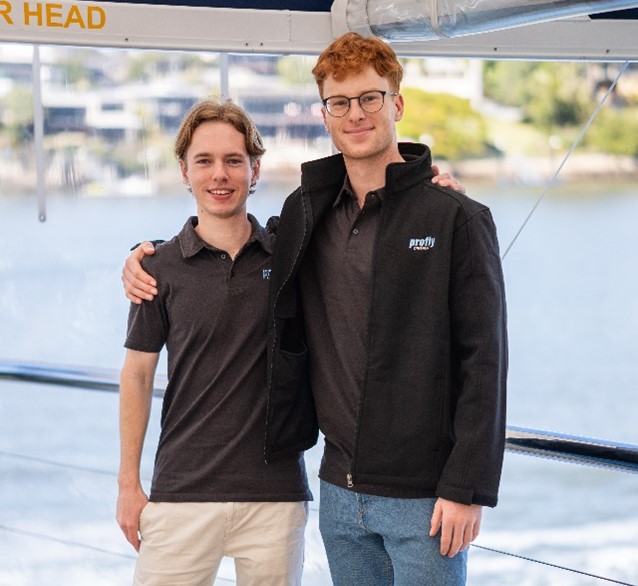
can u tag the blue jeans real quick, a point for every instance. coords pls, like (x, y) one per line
(381, 541)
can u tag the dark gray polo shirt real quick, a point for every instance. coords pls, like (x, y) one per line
(211, 313)
(336, 278)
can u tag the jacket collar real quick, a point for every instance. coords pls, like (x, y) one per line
(330, 172)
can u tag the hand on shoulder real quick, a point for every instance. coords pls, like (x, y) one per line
(138, 284)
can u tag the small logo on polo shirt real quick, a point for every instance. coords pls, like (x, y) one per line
(422, 243)
(265, 273)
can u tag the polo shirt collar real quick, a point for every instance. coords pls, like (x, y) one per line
(347, 191)
(191, 244)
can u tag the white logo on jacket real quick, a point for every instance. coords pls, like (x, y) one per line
(422, 243)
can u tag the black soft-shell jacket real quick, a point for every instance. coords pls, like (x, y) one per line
(432, 410)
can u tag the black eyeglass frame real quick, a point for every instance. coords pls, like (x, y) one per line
(358, 98)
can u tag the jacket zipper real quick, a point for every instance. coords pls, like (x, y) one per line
(349, 480)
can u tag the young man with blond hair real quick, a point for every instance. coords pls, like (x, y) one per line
(212, 494)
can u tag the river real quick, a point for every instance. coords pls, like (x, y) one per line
(572, 289)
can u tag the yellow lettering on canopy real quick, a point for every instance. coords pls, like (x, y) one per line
(54, 15)
(5, 11)
(96, 17)
(28, 13)
(74, 17)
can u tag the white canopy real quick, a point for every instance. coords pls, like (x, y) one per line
(487, 29)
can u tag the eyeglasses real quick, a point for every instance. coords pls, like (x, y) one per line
(370, 102)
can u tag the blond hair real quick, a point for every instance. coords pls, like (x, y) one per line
(219, 110)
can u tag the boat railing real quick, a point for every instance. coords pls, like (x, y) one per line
(576, 449)
(559, 446)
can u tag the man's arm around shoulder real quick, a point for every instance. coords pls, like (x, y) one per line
(138, 284)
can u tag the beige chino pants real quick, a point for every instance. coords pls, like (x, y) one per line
(184, 543)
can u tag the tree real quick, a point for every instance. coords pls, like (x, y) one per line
(550, 95)
(447, 123)
(506, 82)
(18, 103)
(615, 132)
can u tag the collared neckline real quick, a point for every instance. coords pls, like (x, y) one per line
(191, 244)
(328, 173)
(347, 191)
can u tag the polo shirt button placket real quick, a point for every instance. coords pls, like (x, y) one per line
(231, 271)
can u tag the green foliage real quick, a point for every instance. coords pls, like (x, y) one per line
(18, 103)
(614, 132)
(559, 95)
(550, 95)
(506, 82)
(447, 123)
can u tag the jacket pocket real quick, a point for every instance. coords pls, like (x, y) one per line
(292, 420)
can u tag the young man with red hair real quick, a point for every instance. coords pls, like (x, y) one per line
(387, 309)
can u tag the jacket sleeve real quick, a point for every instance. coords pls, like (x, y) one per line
(478, 364)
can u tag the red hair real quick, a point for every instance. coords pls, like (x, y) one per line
(352, 53)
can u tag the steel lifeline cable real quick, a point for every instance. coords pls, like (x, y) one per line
(46, 537)
(518, 233)
(569, 153)
(522, 557)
